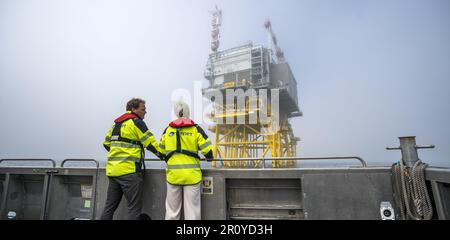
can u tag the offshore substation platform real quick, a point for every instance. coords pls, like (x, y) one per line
(255, 95)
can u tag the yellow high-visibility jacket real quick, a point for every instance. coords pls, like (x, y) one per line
(181, 142)
(126, 141)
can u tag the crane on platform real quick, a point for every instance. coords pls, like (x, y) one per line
(273, 42)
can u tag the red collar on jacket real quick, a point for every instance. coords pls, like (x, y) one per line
(182, 122)
(126, 116)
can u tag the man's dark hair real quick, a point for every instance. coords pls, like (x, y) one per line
(134, 103)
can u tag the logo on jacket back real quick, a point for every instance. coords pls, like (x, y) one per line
(181, 133)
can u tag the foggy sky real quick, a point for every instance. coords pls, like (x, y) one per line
(368, 72)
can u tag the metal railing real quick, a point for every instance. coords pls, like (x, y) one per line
(30, 159)
(363, 163)
(80, 160)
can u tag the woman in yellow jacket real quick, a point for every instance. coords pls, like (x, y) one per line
(180, 142)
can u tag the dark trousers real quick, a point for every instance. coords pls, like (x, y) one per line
(129, 185)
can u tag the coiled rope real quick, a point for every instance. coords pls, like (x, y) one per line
(411, 193)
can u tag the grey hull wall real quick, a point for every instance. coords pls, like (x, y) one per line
(325, 193)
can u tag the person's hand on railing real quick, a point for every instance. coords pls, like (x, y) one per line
(209, 156)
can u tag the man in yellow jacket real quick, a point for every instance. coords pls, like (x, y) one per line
(125, 143)
(181, 141)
